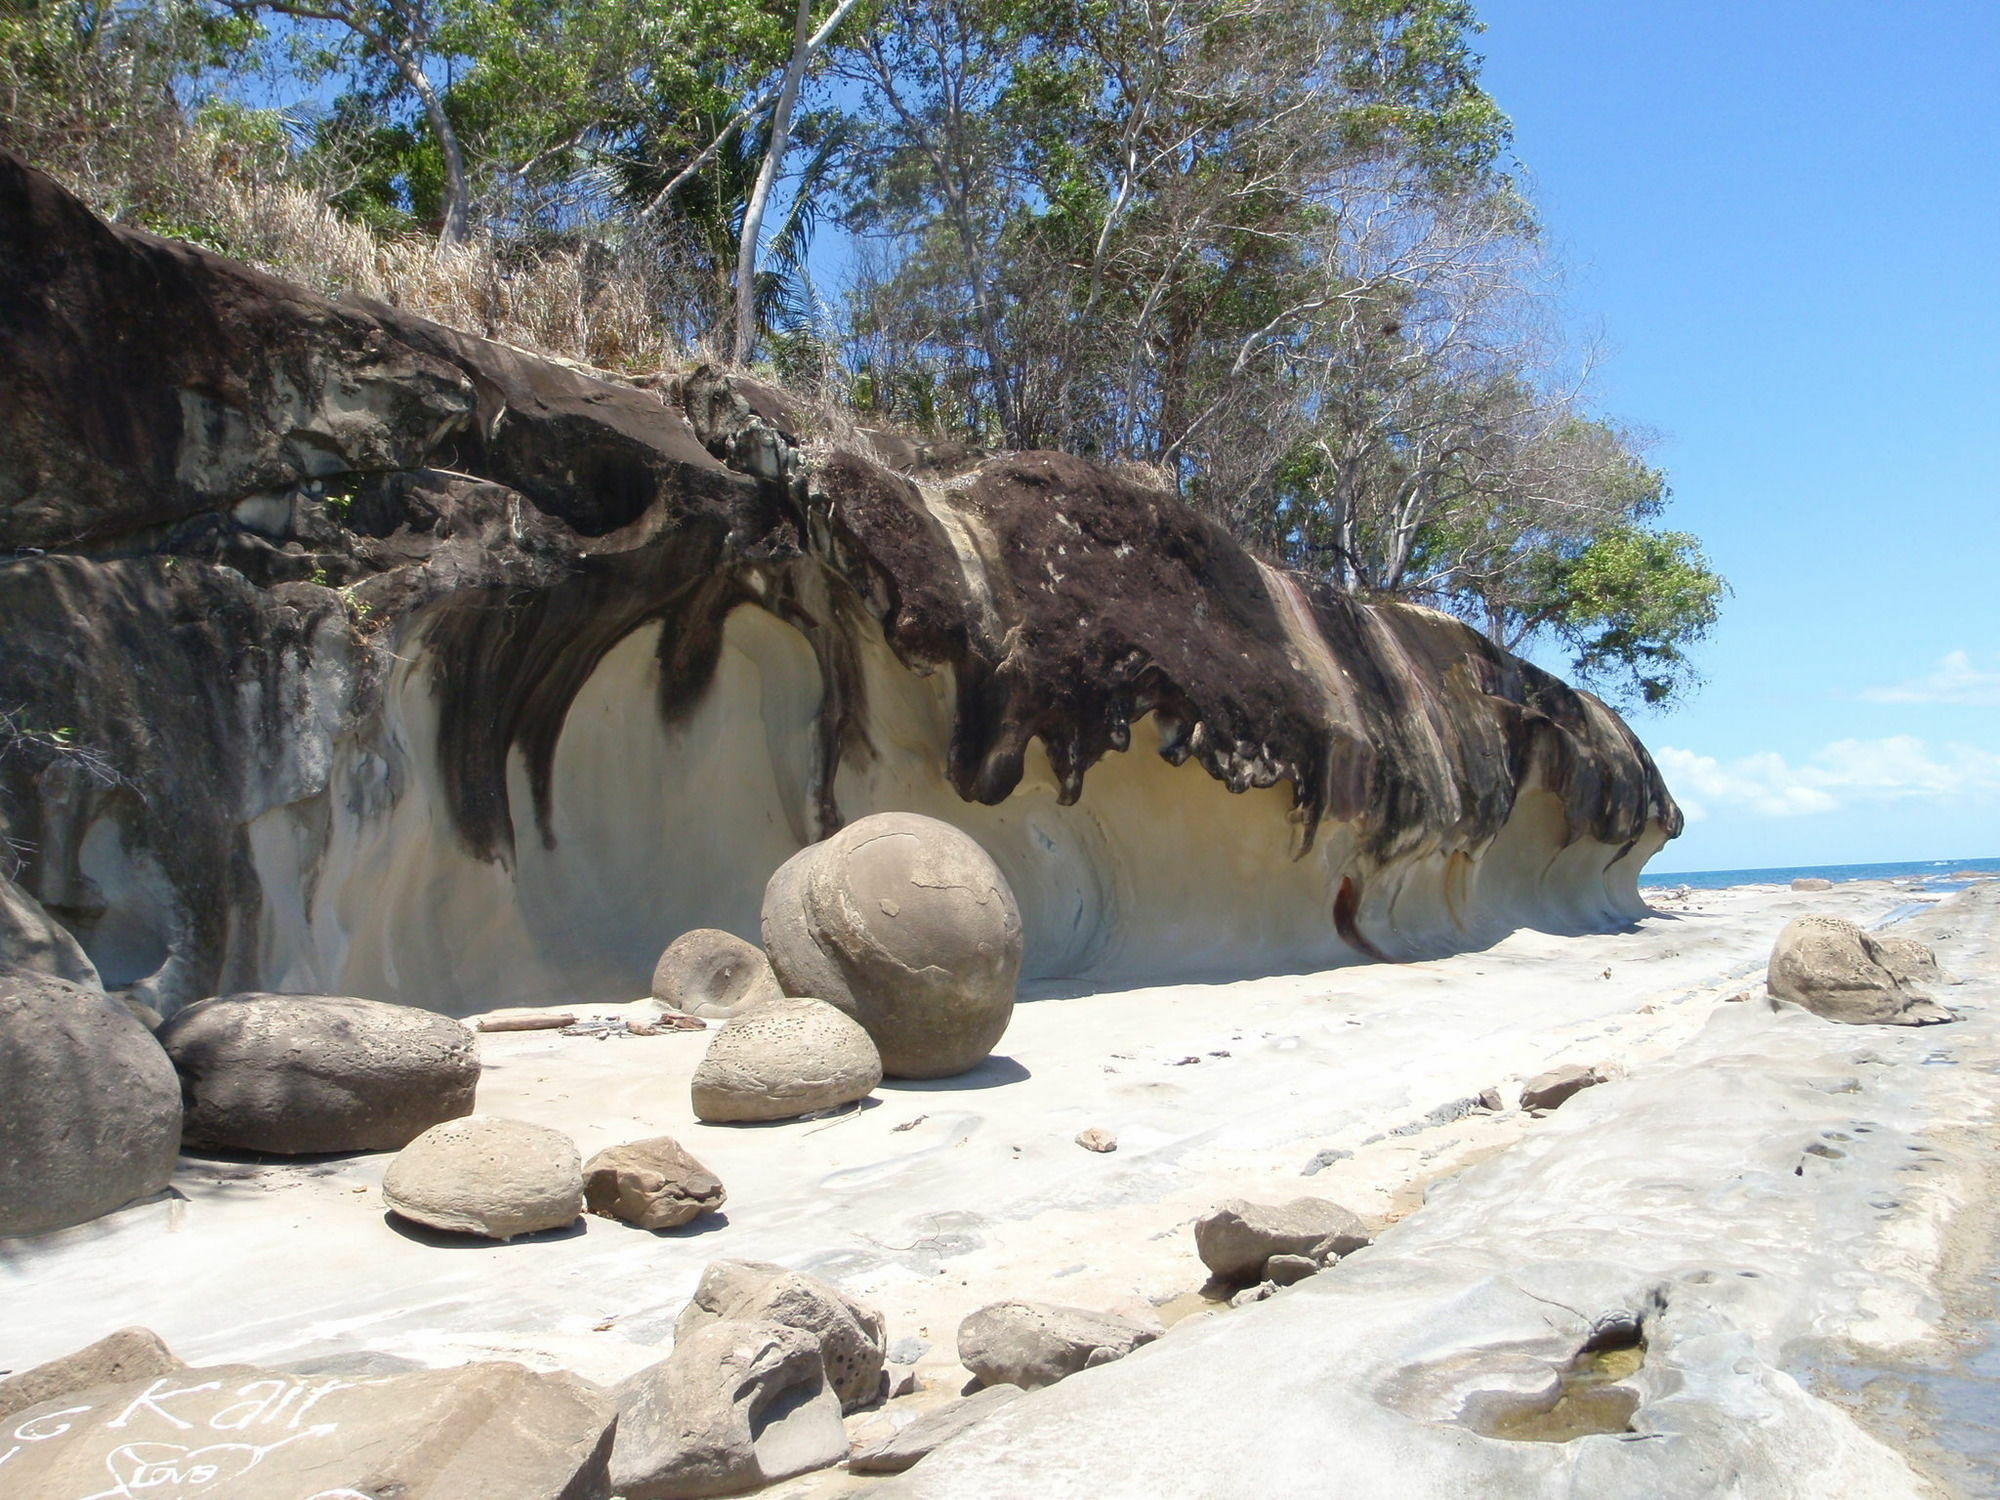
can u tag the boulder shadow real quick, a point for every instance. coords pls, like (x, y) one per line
(995, 1072)
(695, 1227)
(452, 1239)
(819, 1117)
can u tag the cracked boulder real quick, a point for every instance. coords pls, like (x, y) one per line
(298, 1075)
(849, 1334)
(1033, 1344)
(653, 1184)
(905, 923)
(90, 1109)
(1835, 970)
(736, 1406)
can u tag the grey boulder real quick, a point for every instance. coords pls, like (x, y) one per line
(476, 1432)
(487, 1176)
(654, 1184)
(905, 923)
(932, 1430)
(1239, 1237)
(31, 939)
(1033, 1344)
(734, 1407)
(708, 972)
(128, 1354)
(90, 1109)
(1836, 970)
(849, 1335)
(298, 1075)
(793, 1059)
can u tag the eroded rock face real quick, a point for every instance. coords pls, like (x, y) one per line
(716, 974)
(907, 925)
(90, 1108)
(300, 1074)
(1239, 1237)
(654, 1184)
(273, 536)
(849, 1334)
(789, 1060)
(470, 1433)
(1835, 970)
(1033, 1344)
(127, 1355)
(736, 1406)
(487, 1176)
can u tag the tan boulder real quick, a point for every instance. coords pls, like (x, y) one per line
(487, 1176)
(734, 1407)
(1237, 1238)
(128, 1354)
(1835, 970)
(1812, 883)
(708, 972)
(849, 1334)
(475, 1432)
(792, 1059)
(1033, 1344)
(905, 923)
(654, 1184)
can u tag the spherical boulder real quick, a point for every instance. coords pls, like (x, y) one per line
(716, 974)
(487, 1176)
(653, 1184)
(90, 1109)
(302, 1074)
(790, 1060)
(1835, 970)
(906, 924)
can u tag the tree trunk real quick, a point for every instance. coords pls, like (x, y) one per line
(457, 227)
(767, 176)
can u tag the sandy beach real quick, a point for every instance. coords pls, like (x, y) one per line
(1359, 1084)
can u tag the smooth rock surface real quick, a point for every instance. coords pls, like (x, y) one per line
(931, 1431)
(907, 924)
(849, 1335)
(299, 1075)
(735, 1406)
(709, 972)
(238, 1432)
(1033, 1344)
(1238, 1237)
(785, 1061)
(1835, 970)
(31, 939)
(128, 1354)
(653, 1184)
(487, 1176)
(90, 1107)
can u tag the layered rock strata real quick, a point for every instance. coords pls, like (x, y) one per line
(395, 662)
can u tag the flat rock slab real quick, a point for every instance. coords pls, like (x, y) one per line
(240, 1432)
(931, 1431)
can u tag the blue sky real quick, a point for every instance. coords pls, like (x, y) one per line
(1783, 217)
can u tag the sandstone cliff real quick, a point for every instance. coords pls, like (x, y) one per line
(423, 668)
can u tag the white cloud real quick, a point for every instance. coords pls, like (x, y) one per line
(1955, 680)
(1899, 768)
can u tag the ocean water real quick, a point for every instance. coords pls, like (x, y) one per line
(1934, 873)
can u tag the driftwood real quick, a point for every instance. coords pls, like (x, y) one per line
(529, 1020)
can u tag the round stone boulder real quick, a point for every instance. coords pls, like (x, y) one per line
(715, 974)
(90, 1109)
(791, 1060)
(906, 924)
(298, 1075)
(1835, 970)
(487, 1176)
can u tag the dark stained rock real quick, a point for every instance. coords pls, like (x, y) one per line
(472, 1433)
(90, 1109)
(1552, 1089)
(301, 1074)
(253, 543)
(653, 1184)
